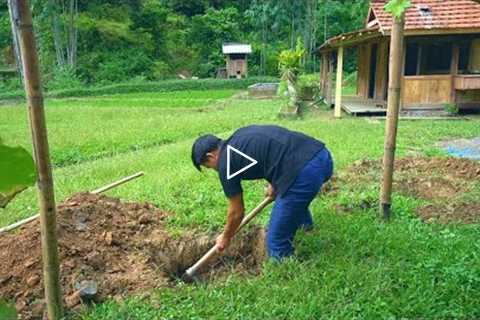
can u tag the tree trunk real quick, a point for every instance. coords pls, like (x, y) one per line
(57, 33)
(393, 108)
(46, 197)
(15, 39)
(72, 33)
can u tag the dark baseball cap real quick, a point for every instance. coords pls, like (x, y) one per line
(202, 146)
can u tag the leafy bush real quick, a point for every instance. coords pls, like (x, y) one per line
(64, 78)
(10, 84)
(308, 85)
(161, 70)
(451, 108)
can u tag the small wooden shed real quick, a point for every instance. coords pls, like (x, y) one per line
(236, 58)
(441, 61)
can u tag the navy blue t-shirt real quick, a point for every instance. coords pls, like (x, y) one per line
(280, 153)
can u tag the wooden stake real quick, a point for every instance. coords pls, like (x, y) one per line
(338, 90)
(393, 108)
(46, 197)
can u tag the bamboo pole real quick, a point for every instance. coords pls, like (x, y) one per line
(97, 191)
(46, 196)
(338, 89)
(393, 108)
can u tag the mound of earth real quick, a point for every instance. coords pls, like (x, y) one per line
(121, 248)
(440, 181)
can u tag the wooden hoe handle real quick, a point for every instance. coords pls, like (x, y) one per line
(214, 250)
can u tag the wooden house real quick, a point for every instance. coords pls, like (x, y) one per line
(441, 61)
(236, 59)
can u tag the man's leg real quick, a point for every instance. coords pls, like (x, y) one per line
(307, 220)
(291, 210)
(281, 230)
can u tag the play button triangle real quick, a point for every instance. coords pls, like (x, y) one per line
(251, 164)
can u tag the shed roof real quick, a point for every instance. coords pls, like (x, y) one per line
(423, 17)
(233, 48)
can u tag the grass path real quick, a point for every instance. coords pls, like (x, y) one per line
(352, 266)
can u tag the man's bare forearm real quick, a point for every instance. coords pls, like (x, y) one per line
(233, 221)
(235, 215)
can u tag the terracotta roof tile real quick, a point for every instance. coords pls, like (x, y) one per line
(433, 14)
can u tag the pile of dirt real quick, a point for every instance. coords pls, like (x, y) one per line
(119, 248)
(440, 181)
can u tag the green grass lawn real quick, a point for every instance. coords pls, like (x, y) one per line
(353, 265)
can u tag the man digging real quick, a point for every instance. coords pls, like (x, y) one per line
(295, 165)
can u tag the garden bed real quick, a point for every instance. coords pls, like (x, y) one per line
(123, 248)
(444, 183)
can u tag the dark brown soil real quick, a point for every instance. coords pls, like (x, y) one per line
(122, 247)
(441, 181)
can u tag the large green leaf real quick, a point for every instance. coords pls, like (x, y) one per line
(397, 7)
(17, 172)
(7, 311)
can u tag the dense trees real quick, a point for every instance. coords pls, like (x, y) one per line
(114, 40)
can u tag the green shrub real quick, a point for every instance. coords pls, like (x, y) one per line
(64, 78)
(451, 108)
(308, 86)
(10, 84)
(161, 70)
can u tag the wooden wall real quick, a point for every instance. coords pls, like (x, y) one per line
(381, 83)
(363, 70)
(426, 91)
(237, 65)
(364, 66)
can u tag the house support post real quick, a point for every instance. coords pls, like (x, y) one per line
(454, 70)
(339, 80)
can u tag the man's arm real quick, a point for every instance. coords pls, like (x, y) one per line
(236, 212)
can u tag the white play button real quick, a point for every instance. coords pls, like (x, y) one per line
(251, 164)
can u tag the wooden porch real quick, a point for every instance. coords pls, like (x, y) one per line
(357, 106)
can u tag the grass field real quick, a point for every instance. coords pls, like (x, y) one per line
(352, 266)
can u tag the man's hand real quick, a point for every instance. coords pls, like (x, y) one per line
(270, 192)
(222, 242)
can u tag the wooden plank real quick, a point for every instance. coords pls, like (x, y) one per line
(338, 89)
(363, 63)
(420, 90)
(382, 64)
(467, 82)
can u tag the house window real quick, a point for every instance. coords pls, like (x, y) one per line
(428, 59)
(437, 58)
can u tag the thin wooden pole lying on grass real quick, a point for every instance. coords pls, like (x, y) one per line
(97, 191)
(393, 108)
(118, 183)
(46, 196)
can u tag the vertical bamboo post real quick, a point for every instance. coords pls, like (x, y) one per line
(393, 107)
(46, 198)
(338, 89)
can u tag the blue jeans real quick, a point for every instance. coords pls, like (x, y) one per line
(290, 211)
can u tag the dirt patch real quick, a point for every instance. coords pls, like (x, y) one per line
(122, 248)
(441, 181)
(451, 213)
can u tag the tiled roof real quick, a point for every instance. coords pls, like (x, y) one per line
(432, 14)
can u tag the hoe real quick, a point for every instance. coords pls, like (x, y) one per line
(190, 274)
